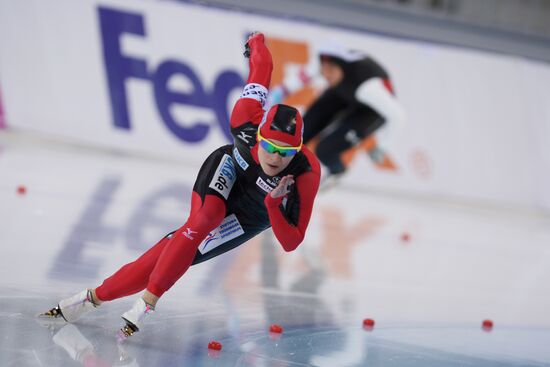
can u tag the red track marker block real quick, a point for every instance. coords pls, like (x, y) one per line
(277, 329)
(405, 237)
(21, 190)
(368, 324)
(214, 345)
(487, 325)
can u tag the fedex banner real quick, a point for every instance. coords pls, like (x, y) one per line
(162, 77)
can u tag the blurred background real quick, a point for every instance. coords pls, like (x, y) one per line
(109, 107)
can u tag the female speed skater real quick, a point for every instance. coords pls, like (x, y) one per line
(267, 177)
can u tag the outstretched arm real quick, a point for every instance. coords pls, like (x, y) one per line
(249, 108)
(260, 61)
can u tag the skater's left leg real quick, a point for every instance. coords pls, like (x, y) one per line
(175, 259)
(182, 248)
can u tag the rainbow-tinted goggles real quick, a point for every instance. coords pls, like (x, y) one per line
(274, 148)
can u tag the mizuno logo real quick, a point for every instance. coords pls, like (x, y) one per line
(244, 136)
(189, 233)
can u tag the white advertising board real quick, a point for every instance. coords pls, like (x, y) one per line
(161, 77)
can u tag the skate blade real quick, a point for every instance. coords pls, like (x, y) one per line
(125, 332)
(52, 314)
(50, 323)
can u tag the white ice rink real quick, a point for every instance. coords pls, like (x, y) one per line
(86, 212)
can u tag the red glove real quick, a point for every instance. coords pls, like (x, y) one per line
(253, 38)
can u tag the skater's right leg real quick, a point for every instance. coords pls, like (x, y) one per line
(72, 308)
(133, 277)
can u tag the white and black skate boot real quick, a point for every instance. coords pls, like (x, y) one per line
(72, 308)
(134, 317)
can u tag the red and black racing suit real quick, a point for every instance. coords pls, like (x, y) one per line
(232, 184)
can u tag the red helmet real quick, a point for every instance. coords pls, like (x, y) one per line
(283, 123)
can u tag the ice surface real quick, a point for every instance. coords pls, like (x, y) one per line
(87, 212)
